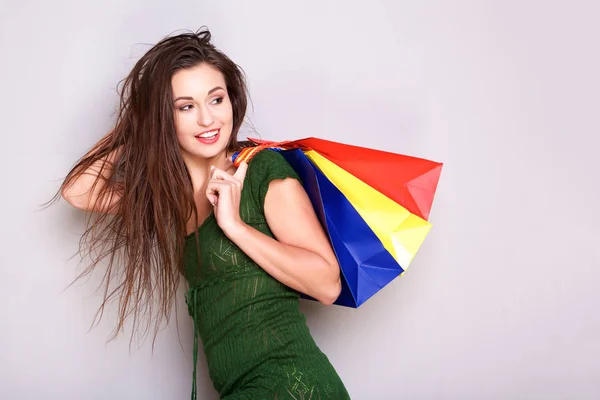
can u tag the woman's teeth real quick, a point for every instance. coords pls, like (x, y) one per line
(208, 135)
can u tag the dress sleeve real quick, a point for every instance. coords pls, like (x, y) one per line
(265, 167)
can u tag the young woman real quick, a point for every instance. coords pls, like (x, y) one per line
(168, 200)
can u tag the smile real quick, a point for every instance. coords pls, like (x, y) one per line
(208, 136)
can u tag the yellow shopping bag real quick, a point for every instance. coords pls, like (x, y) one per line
(400, 232)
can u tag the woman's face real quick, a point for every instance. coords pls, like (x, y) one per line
(203, 112)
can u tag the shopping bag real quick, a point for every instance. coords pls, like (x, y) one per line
(409, 181)
(400, 231)
(388, 195)
(366, 266)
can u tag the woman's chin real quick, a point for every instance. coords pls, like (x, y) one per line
(211, 152)
(201, 151)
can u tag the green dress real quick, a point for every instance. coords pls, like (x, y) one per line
(256, 341)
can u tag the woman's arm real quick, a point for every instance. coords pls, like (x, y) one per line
(81, 192)
(301, 257)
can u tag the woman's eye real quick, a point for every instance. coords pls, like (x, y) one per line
(186, 107)
(218, 100)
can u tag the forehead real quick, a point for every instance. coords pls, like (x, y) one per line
(197, 80)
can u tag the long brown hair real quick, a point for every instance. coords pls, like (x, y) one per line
(146, 232)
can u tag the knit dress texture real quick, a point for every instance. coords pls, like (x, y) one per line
(256, 341)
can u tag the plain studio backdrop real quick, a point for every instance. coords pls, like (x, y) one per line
(500, 302)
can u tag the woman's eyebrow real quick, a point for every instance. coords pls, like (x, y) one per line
(215, 89)
(191, 98)
(184, 98)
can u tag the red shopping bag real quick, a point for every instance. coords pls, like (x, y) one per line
(409, 181)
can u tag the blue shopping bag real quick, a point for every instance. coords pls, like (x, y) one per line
(366, 266)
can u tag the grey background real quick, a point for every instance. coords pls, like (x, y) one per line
(500, 302)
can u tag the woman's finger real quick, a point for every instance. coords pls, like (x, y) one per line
(215, 188)
(218, 173)
(240, 174)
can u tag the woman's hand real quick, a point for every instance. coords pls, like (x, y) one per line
(224, 192)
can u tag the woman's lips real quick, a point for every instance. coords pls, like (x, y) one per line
(209, 137)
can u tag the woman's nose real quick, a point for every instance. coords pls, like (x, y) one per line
(205, 118)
